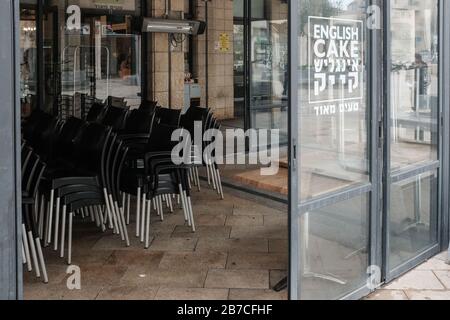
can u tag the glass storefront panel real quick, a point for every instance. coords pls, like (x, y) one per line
(334, 251)
(269, 66)
(413, 219)
(334, 113)
(414, 116)
(100, 57)
(28, 59)
(414, 83)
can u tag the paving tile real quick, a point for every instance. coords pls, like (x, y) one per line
(278, 246)
(173, 244)
(103, 276)
(194, 260)
(281, 220)
(254, 209)
(428, 295)
(194, 294)
(213, 208)
(210, 220)
(417, 280)
(264, 232)
(60, 292)
(56, 276)
(387, 295)
(127, 293)
(164, 278)
(221, 232)
(232, 245)
(43, 292)
(85, 294)
(257, 261)
(114, 242)
(444, 256)
(434, 264)
(237, 279)
(245, 221)
(444, 277)
(255, 295)
(141, 258)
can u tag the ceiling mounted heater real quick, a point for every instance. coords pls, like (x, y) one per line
(191, 27)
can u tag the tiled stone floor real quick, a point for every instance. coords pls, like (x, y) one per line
(430, 281)
(239, 251)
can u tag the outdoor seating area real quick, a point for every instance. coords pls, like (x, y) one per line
(114, 169)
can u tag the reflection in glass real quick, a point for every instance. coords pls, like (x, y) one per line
(332, 97)
(413, 217)
(269, 66)
(28, 60)
(414, 82)
(103, 60)
(335, 249)
(415, 129)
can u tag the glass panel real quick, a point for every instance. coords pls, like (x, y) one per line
(269, 66)
(413, 217)
(239, 66)
(28, 60)
(334, 249)
(51, 86)
(414, 97)
(103, 60)
(334, 113)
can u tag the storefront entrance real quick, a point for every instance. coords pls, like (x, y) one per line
(367, 132)
(365, 179)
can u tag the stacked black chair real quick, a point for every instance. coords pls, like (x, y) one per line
(115, 117)
(96, 112)
(32, 171)
(81, 152)
(170, 117)
(207, 121)
(116, 102)
(138, 128)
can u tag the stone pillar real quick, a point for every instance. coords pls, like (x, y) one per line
(166, 63)
(214, 63)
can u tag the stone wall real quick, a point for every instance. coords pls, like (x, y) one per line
(212, 63)
(165, 60)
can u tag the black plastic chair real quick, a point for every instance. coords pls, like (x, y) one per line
(96, 112)
(115, 118)
(32, 248)
(116, 102)
(168, 117)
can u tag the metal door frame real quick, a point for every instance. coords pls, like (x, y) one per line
(11, 287)
(373, 188)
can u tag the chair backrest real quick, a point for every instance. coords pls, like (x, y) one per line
(44, 141)
(168, 117)
(139, 122)
(194, 114)
(115, 118)
(69, 131)
(96, 112)
(37, 123)
(116, 102)
(161, 138)
(149, 106)
(90, 145)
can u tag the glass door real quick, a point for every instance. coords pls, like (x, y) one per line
(334, 151)
(268, 66)
(413, 124)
